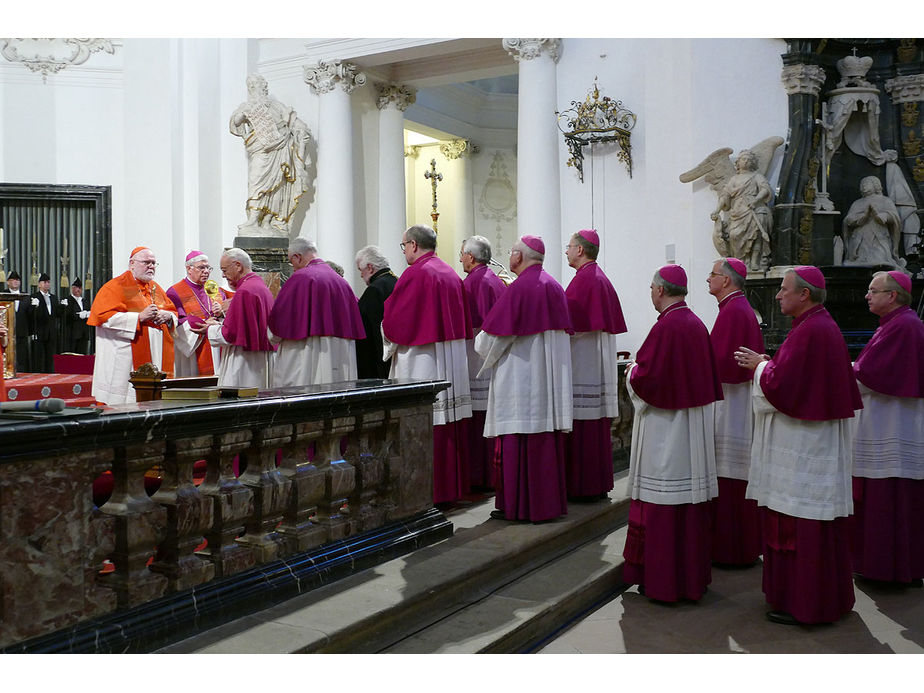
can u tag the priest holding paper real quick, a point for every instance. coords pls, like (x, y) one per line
(135, 322)
(193, 355)
(315, 320)
(674, 386)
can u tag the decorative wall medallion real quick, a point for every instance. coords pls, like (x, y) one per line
(910, 113)
(498, 201)
(51, 55)
(412, 151)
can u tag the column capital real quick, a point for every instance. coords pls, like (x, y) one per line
(803, 79)
(906, 89)
(454, 149)
(529, 48)
(399, 95)
(329, 73)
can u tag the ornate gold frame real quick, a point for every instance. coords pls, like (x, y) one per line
(8, 318)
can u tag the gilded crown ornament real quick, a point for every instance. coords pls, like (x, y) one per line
(593, 121)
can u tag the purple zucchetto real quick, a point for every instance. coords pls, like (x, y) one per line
(738, 266)
(590, 236)
(903, 279)
(195, 255)
(674, 274)
(534, 243)
(811, 274)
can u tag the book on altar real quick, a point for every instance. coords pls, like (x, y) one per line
(238, 391)
(200, 393)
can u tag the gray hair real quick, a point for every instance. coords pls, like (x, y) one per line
(730, 272)
(816, 295)
(303, 246)
(238, 255)
(904, 298)
(372, 255)
(479, 247)
(590, 250)
(670, 288)
(423, 236)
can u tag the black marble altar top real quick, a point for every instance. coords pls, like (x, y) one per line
(139, 422)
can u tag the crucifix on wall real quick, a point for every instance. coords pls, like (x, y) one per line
(433, 176)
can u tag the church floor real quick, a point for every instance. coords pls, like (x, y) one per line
(730, 618)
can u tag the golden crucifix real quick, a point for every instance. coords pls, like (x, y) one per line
(434, 177)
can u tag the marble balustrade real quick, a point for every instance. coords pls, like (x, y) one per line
(318, 465)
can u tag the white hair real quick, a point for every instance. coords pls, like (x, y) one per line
(303, 246)
(238, 255)
(372, 255)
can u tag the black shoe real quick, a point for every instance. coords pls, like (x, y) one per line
(641, 590)
(498, 515)
(782, 617)
(917, 582)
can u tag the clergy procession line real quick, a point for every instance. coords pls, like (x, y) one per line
(805, 459)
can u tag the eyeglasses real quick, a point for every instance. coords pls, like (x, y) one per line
(147, 263)
(203, 268)
(514, 250)
(715, 274)
(401, 245)
(879, 291)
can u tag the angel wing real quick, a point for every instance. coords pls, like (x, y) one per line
(764, 151)
(717, 168)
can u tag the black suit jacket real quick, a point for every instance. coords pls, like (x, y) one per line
(369, 362)
(45, 324)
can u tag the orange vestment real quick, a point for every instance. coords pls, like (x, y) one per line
(125, 294)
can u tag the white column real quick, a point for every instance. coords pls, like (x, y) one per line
(462, 220)
(538, 190)
(334, 81)
(392, 101)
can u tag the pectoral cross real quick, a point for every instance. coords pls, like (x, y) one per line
(433, 176)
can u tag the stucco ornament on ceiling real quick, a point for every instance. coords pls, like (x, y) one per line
(51, 55)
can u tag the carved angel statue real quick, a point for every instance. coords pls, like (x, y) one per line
(742, 217)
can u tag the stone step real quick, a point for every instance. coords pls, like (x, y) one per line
(522, 615)
(394, 604)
